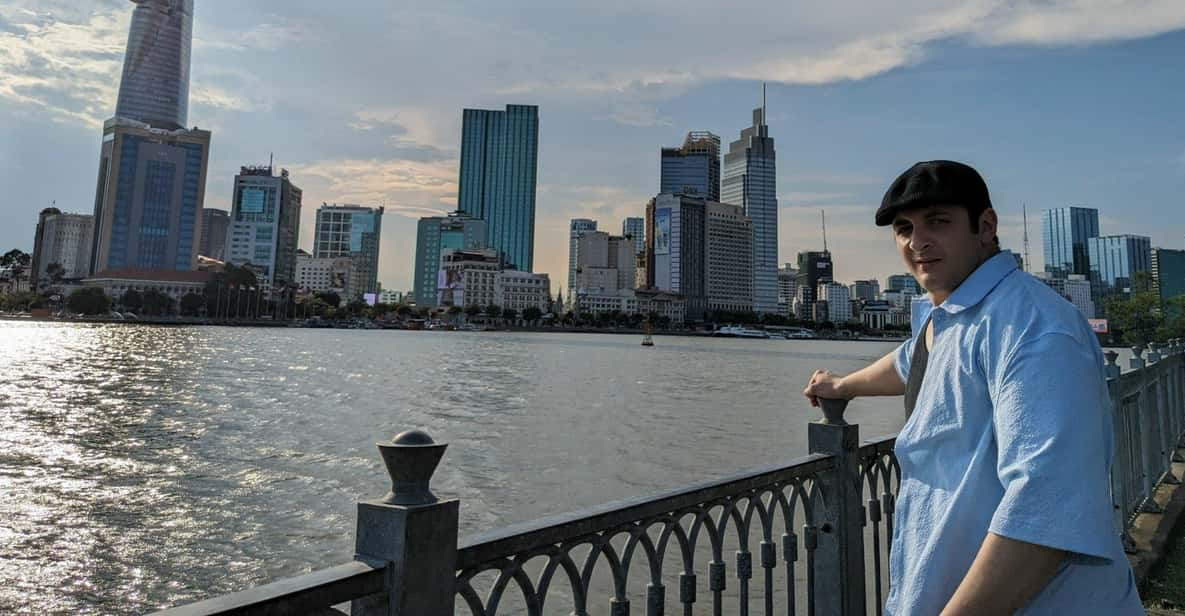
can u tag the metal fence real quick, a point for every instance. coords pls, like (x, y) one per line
(810, 536)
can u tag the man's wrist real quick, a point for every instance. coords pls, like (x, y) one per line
(843, 388)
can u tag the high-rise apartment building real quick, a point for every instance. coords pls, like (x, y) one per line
(62, 239)
(436, 234)
(152, 171)
(499, 161)
(749, 181)
(787, 289)
(1064, 235)
(1168, 272)
(729, 264)
(576, 227)
(838, 300)
(215, 224)
(635, 228)
(1074, 287)
(814, 267)
(154, 86)
(692, 169)
(264, 226)
(675, 249)
(148, 203)
(351, 231)
(1115, 259)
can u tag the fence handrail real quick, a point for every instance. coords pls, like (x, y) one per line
(302, 594)
(507, 541)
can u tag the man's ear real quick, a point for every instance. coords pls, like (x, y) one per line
(988, 226)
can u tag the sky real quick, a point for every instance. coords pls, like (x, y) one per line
(1056, 102)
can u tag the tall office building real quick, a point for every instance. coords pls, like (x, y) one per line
(154, 86)
(1064, 235)
(635, 228)
(866, 290)
(675, 249)
(729, 266)
(214, 226)
(148, 203)
(64, 239)
(749, 181)
(576, 227)
(692, 169)
(1074, 287)
(152, 171)
(1168, 273)
(499, 161)
(903, 282)
(814, 267)
(1115, 259)
(351, 231)
(436, 234)
(265, 224)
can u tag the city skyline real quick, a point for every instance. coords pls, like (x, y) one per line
(969, 90)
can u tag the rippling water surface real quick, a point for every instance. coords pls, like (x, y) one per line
(141, 467)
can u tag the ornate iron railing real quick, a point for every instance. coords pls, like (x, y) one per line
(815, 532)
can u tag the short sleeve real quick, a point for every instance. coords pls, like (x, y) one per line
(1054, 441)
(902, 357)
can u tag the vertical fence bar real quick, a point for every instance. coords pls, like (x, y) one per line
(412, 532)
(839, 559)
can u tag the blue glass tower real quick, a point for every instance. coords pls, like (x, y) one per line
(1064, 234)
(750, 181)
(154, 87)
(1115, 259)
(499, 161)
(692, 169)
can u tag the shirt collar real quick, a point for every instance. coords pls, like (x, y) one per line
(972, 290)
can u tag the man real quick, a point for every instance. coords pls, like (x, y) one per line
(1005, 503)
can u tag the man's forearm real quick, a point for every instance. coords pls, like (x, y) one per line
(878, 379)
(1006, 574)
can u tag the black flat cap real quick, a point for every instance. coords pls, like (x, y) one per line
(934, 182)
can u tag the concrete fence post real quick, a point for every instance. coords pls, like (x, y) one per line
(1112, 368)
(839, 557)
(1137, 362)
(411, 532)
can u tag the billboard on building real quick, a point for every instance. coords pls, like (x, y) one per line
(662, 231)
(370, 298)
(1099, 326)
(251, 201)
(450, 288)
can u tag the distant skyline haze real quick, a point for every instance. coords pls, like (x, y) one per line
(1067, 103)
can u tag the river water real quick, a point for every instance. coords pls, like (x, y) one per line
(142, 467)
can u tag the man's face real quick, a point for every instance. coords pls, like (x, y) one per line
(939, 247)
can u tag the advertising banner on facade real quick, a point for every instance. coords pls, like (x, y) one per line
(450, 288)
(1099, 326)
(662, 231)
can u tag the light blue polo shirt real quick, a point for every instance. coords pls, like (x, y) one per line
(1011, 434)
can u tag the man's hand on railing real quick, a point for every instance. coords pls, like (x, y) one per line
(824, 384)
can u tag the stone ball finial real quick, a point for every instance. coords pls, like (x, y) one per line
(833, 410)
(411, 458)
(1112, 358)
(1137, 350)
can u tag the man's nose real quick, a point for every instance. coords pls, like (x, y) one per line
(919, 240)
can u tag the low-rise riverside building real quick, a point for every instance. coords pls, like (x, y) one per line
(174, 283)
(65, 240)
(521, 290)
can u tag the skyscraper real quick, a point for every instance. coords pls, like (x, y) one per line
(635, 228)
(576, 227)
(214, 225)
(152, 171)
(265, 225)
(148, 202)
(814, 267)
(692, 169)
(1168, 272)
(1115, 259)
(436, 234)
(154, 87)
(749, 181)
(351, 231)
(499, 160)
(676, 249)
(1064, 234)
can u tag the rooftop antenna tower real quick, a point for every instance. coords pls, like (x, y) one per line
(824, 213)
(763, 103)
(1024, 211)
